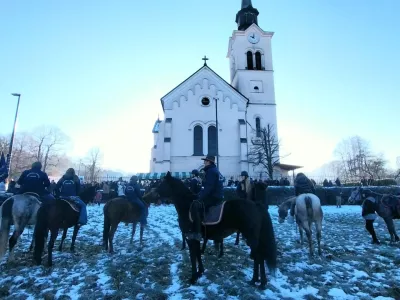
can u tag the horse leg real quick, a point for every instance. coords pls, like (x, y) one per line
(255, 272)
(221, 249)
(53, 236)
(203, 248)
(390, 227)
(308, 231)
(263, 284)
(193, 258)
(369, 225)
(18, 229)
(301, 235)
(111, 236)
(141, 235)
(199, 261)
(63, 239)
(237, 238)
(133, 231)
(74, 235)
(183, 242)
(318, 227)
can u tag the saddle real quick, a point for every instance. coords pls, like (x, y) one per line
(213, 216)
(71, 202)
(393, 203)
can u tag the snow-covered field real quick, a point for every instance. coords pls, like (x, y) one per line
(351, 268)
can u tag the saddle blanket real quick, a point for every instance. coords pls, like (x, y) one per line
(213, 216)
(71, 203)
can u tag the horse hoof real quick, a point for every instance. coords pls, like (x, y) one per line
(192, 281)
(236, 244)
(183, 248)
(220, 255)
(200, 274)
(59, 249)
(72, 250)
(376, 242)
(252, 282)
(263, 286)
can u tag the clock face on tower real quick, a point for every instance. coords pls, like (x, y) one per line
(253, 38)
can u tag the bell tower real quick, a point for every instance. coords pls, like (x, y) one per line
(247, 15)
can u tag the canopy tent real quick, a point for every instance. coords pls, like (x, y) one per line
(154, 176)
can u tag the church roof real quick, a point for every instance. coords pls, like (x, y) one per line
(208, 68)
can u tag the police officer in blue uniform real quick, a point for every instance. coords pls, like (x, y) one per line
(212, 193)
(69, 187)
(36, 181)
(133, 194)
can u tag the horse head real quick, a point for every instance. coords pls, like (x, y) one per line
(283, 209)
(356, 195)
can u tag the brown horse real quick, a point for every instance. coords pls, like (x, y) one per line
(387, 207)
(120, 210)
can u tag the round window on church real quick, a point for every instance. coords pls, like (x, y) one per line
(205, 101)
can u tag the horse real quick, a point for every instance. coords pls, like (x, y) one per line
(258, 191)
(53, 215)
(307, 211)
(20, 211)
(88, 194)
(120, 210)
(252, 220)
(387, 207)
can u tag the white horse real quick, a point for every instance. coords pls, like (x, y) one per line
(307, 211)
(20, 210)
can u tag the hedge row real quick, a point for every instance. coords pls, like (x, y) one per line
(277, 194)
(378, 182)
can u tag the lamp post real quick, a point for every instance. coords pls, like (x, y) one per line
(216, 127)
(12, 135)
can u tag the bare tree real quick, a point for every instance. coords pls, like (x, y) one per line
(264, 151)
(357, 161)
(48, 147)
(397, 174)
(92, 169)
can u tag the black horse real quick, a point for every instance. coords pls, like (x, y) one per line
(387, 207)
(52, 216)
(251, 219)
(259, 195)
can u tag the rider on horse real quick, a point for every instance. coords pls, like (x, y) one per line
(195, 182)
(134, 196)
(302, 185)
(244, 188)
(35, 181)
(68, 187)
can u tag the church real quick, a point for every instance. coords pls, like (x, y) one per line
(206, 115)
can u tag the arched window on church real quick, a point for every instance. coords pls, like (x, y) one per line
(258, 61)
(198, 141)
(258, 127)
(250, 65)
(212, 140)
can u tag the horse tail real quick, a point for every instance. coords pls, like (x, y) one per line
(107, 224)
(309, 208)
(40, 233)
(267, 244)
(4, 227)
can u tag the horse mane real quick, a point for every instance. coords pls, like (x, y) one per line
(182, 190)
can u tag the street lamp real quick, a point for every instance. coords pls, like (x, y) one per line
(13, 133)
(216, 127)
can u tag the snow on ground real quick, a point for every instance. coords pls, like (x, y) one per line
(351, 267)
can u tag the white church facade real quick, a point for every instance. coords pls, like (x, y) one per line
(189, 130)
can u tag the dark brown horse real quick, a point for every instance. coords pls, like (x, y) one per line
(251, 219)
(387, 207)
(120, 210)
(52, 216)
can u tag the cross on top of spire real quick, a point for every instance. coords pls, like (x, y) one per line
(205, 60)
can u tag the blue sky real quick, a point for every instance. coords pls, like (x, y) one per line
(97, 69)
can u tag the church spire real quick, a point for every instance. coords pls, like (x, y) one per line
(247, 15)
(246, 3)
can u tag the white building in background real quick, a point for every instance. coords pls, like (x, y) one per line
(244, 106)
